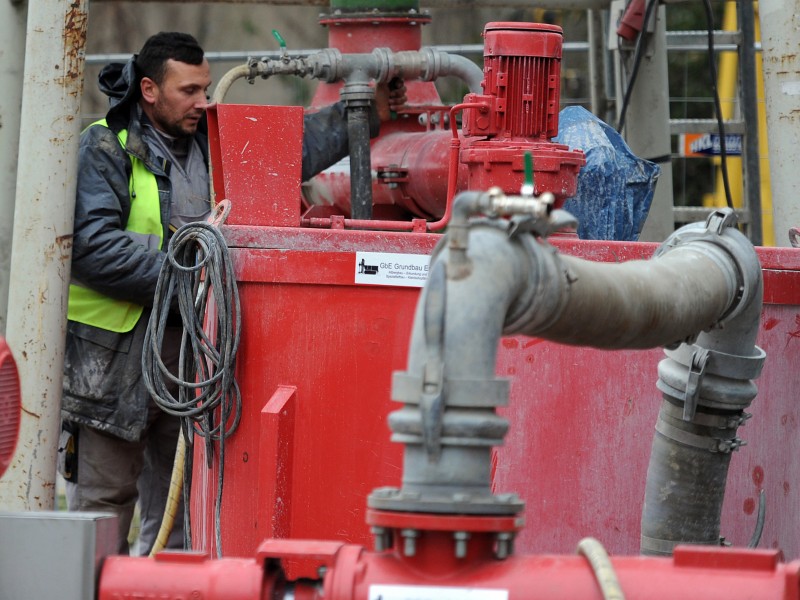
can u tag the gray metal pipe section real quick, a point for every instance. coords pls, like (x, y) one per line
(382, 65)
(706, 387)
(485, 283)
(358, 71)
(42, 244)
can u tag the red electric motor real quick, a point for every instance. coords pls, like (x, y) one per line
(522, 77)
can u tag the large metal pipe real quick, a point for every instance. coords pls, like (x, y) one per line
(41, 248)
(485, 283)
(382, 64)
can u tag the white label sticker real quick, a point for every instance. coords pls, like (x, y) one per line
(430, 592)
(391, 268)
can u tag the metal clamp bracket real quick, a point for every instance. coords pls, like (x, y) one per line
(697, 369)
(721, 219)
(432, 399)
(703, 442)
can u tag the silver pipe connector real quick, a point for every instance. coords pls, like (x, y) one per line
(381, 65)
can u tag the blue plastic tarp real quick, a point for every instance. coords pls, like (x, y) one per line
(615, 188)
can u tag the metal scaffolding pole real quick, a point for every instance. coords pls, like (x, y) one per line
(12, 61)
(647, 128)
(780, 20)
(41, 248)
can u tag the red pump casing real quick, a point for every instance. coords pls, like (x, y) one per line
(516, 114)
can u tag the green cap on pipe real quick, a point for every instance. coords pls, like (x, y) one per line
(381, 5)
(276, 34)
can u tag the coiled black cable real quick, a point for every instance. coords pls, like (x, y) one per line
(712, 74)
(198, 273)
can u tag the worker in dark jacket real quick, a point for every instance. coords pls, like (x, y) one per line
(142, 174)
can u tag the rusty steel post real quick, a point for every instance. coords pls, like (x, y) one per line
(779, 22)
(41, 248)
(12, 60)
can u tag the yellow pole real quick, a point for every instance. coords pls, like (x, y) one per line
(727, 89)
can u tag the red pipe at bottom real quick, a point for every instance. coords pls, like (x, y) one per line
(351, 572)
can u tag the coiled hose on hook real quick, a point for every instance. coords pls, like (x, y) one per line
(199, 273)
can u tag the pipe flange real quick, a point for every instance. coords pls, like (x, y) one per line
(712, 391)
(718, 234)
(433, 60)
(457, 502)
(463, 393)
(386, 67)
(721, 363)
(542, 304)
(357, 94)
(326, 65)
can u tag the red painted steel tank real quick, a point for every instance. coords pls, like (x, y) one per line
(318, 349)
(320, 343)
(353, 573)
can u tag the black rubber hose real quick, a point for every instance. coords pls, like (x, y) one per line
(685, 484)
(360, 174)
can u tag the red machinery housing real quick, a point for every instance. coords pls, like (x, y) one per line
(522, 88)
(320, 343)
(517, 113)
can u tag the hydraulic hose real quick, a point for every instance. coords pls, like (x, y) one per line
(706, 386)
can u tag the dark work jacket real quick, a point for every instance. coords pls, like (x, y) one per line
(103, 386)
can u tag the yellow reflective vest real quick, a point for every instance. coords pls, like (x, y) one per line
(96, 309)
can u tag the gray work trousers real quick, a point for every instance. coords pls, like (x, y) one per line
(112, 473)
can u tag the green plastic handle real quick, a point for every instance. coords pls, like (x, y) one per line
(528, 169)
(278, 37)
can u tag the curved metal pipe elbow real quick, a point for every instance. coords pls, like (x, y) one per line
(429, 64)
(706, 387)
(459, 66)
(704, 278)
